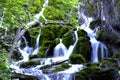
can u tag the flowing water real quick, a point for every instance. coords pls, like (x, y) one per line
(61, 53)
(60, 49)
(98, 48)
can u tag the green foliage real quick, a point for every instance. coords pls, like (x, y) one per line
(77, 59)
(116, 55)
(61, 10)
(4, 66)
(81, 33)
(111, 64)
(62, 67)
(65, 65)
(96, 23)
(30, 63)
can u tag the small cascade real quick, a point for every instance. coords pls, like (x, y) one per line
(94, 43)
(60, 49)
(71, 48)
(26, 51)
(36, 50)
(27, 48)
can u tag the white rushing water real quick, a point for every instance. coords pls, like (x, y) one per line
(61, 53)
(60, 49)
(63, 75)
(96, 45)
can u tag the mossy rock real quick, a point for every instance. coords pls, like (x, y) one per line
(83, 47)
(49, 34)
(110, 63)
(100, 35)
(67, 39)
(116, 55)
(87, 73)
(65, 65)
(62, 67)
(22, 77)
(81, 33)
(96, 23)
(41, 54)
(96, 74)
(64, 30)
(30, 63)
(77, 59)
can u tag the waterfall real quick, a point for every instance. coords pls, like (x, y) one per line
(27, 48)
(71, 47)
(37, 45)
(94, 43)
(60, 49)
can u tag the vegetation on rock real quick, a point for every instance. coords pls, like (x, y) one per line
(77, 59)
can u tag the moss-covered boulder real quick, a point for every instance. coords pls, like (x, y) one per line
(62, 67)
(67, 39)
(96, 23)
(110, 63)
(77, 59)
(97, 73)
(116, 55)
(87, 73)
(82, 33)
(30, 63)
(83, 45)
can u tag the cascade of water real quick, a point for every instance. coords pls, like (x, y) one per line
(71, 48)
(60, 49)
(27, 48)
(37, 46)
(94, 43)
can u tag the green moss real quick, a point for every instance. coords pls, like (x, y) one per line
(68, 39)
(4, 66)
(65, 65)
(62, 67)
(81, 33)
(116, 55)
(64, 30)
(77, 59)
(96, 23)
(87, 73)
(83, 47)
(107, 63)
(30, 63)
(100, 35)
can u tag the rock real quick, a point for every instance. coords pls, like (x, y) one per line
(30, 63)
(77, 59)
(110, 63)
(67, 39)
(83, 45)
(95, 73)
(23, 77)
